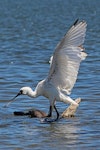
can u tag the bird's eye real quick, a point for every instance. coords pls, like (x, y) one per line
(21, 92)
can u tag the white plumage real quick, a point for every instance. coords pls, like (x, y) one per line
(67, 57)
(64, 66)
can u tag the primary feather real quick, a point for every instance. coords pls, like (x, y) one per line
(66, 59)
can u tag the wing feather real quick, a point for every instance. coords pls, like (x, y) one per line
(67, 57)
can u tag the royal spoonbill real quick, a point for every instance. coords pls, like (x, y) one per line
(64, 66)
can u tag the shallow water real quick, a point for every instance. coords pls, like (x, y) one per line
(29, 31)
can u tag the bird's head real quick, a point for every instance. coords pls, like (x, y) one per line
(24, 91)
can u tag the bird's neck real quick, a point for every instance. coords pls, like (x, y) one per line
(32, 94)
(38, 90)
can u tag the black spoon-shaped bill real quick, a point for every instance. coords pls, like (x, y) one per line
(5, 106)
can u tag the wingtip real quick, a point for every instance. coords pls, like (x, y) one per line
(76, 22)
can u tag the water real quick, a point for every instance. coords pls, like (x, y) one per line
(29, 31)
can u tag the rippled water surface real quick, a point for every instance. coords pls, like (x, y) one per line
(29, 32)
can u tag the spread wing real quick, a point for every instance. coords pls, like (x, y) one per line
(65, 62)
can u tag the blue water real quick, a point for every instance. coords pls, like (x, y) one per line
(29, 32)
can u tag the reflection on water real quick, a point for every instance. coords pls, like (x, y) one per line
(29, 31)
(66, 134)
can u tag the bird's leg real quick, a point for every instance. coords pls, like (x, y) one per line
(57, 113)
(50, 111)
(47, 120)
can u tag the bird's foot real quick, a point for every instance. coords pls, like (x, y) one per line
(48, 120)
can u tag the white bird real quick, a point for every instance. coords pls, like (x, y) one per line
(64, 66)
